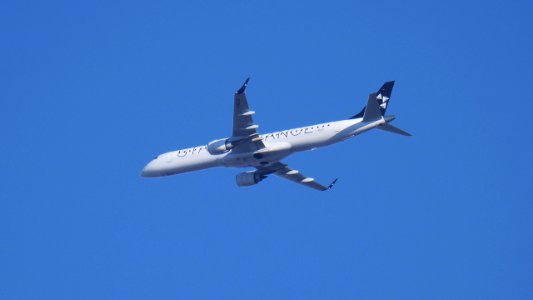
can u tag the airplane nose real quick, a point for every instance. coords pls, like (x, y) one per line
(150, 170)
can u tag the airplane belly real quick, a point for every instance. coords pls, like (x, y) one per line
(273, 152)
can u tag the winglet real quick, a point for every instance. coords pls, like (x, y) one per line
(243, 87)
(333, 183)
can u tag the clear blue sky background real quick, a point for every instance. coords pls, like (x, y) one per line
(91, 91)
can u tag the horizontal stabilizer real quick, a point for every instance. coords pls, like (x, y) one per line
(390, 128)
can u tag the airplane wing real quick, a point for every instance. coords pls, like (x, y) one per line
(282, 170)
(245, 136)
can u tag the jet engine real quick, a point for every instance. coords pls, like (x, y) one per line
(219, 146)
(249, 178)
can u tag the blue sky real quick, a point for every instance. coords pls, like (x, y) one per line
(91, 91)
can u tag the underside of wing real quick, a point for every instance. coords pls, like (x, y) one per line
(245, 136)
(282, 170)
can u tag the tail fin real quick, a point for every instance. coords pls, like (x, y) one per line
(383, 95)
(372, 109)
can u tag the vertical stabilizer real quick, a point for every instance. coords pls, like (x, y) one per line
(383, 96)
(373, 109)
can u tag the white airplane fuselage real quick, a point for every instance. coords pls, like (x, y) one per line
(278, 146)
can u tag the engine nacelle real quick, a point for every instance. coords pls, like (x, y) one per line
(219, 146)
(249, 178)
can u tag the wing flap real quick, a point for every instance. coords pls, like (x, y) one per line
(244, 133)
(284, 171)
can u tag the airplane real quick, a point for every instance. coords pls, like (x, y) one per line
(264, 152)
